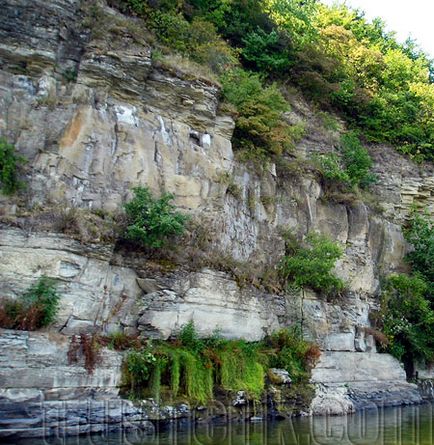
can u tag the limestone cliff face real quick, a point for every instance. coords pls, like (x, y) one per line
(95, 115)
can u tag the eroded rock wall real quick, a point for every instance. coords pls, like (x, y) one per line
(96, 114)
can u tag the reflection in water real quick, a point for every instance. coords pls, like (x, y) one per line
(392, 426)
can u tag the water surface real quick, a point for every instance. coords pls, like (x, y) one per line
(390, 426)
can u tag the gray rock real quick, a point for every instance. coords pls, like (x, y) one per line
(279, 376)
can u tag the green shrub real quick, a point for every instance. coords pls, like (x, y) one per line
(70, 75)
(35, 309)
(152, 222)
(420, 233)
(9, 164)
(330, 166)
(266, 52)
(171, 29)
(260, 122)
(138, 366)
(311, 265)
(356, 160)
(293, 353)
(190, 338)
(351, 168)
(407, 319)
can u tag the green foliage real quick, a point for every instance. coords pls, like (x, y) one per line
(311, 265)
(330, 165)
(260, 123)
(294, 354)
(407, 315)
(70, 75)
(9, 165)
(356, 160)
(190, 338)
(196, 38)
(420, 233)
(333, 53)
(353, 165)
(234, 19)
(43, 294)
(407, 318)
(266, 52)
(295, 17)
(193, 367)
(138, 366)
(152, 222)
(35, 309)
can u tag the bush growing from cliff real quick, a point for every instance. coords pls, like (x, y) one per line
(9, 165)
(351, 167)
(153, 221)
(420, 233)
(310, 265)
(407, 319)
(193, 367)
(260, 124)
(293, 353)
(357, 161)
(406, 315)
(35, 309)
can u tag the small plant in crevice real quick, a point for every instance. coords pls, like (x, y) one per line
(153, 221)
(310, 264)
(120, 341)
(10, 163)
(227, 180)
(86, 347)
(35, 309)
(70, 75)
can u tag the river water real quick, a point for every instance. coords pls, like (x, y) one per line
(390, 426)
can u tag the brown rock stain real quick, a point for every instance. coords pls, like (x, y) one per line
(73, 130)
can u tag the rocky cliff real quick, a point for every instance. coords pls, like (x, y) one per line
(95, 114)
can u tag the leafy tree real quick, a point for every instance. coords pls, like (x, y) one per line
(407, 320)
(420, 233)
(295, 17)
(152, 221)
(260, 121)
(267, 52)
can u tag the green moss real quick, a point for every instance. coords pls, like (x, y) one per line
(193, 368)
(240, 369)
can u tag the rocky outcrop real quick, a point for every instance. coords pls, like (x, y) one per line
(98, 296)
(96, 114)
(350, 381)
